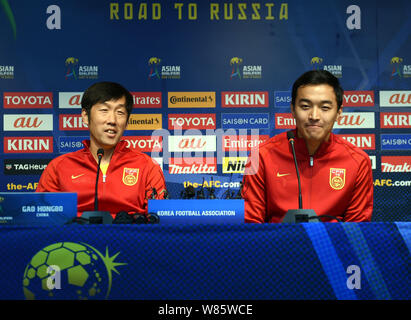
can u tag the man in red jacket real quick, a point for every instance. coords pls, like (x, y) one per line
(336, 176)
(128, 177)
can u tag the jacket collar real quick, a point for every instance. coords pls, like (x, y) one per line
(301, 146)
(120, 147)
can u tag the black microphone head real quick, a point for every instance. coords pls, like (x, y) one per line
(290, 135)
(100, 152)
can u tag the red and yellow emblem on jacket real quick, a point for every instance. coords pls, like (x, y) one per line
(130, 176)
(337, 178)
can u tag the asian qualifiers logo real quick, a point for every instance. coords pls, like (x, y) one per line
(76, 71)
(69, 270)
(165, 72)
(399, 69)
(246, 71)
(154, 63)
(235, 71)
(71, 64)
(317, 64)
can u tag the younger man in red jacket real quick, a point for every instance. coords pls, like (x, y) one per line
(336, 177)
(127, 177)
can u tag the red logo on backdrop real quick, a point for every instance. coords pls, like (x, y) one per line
(192, 165)
(358, 99)
(395, 120)
(363, 141)
(242, 143)
(396, 164)
(26, 100)
(244, 99)
(147, 99)
(284, 121)
(144, 143)
(71, 122)
(28, 144)
(27, 122)
(191, 121)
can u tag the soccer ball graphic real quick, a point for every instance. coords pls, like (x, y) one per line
(83, 273)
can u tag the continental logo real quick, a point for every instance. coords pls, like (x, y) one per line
(145, 122)
(234, 164)
(191, 100)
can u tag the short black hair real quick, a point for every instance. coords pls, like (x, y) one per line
(105, 91)
(314, 77)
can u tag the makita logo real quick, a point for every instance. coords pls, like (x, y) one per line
(71, 122)
(396, 164)
(145, 143)
(395, 120)
(20, 100)
(192, 143)
(358, 99)
(348, 120)
(192, 166)
(70, 100)
(28, 122)
(28, 144)
(244, 99)
(363, 141)
(191, 121)
(147, 99)
(242, 142)
(395, 98)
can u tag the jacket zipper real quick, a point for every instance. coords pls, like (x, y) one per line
(311, 180)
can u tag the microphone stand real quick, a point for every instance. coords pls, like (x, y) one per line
(96, 216)
(300, 214)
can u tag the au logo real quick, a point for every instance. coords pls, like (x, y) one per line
(130, 176)
(337, 178)
(84, 272)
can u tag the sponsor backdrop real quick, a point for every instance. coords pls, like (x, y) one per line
(210, 79)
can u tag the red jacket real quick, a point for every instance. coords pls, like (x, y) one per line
(336, 181)
(129, 177)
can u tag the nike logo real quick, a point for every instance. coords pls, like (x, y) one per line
(282, 174)
(75, 177)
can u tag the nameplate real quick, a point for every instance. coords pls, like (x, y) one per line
(37, 208)
(198, 211)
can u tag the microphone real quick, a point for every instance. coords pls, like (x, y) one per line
(100, 154)
(153, 193)
(166, 195)
(188, 193)
(200, 193)
(238, 195)
(96, 216)
(211, 190)
(300, 214)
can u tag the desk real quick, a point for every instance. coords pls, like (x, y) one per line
(270, 261)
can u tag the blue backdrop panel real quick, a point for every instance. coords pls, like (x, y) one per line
(305, 261)
(218, 46)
